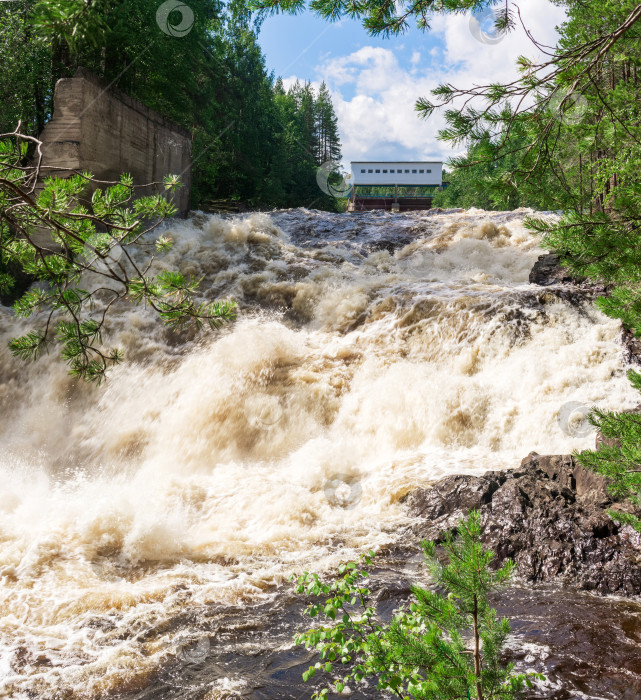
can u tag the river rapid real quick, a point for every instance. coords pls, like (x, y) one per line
(149, 527)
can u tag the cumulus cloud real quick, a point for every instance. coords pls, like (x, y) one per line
(374, 93)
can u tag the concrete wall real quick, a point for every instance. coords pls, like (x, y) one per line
(397, 173)
(108, 133)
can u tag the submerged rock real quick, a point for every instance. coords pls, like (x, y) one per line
(548, 516)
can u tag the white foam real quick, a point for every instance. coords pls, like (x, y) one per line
(204, 473)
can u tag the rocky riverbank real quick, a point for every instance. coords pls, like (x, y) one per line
(549, 516)
(548, 271)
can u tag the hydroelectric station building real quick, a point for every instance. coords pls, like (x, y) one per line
(394, 186)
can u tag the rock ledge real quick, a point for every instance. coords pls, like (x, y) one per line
(548, 516)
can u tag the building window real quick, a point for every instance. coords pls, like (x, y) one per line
(362, 170)
(407, 171)
(420, 171)
(378, 171)
(370, 171)
(384, 171)
(429, 171)
(414, 172)
(391, 171)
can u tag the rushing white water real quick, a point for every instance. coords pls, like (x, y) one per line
(207, 470)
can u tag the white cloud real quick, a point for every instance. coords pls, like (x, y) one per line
(380, 121)
(291, 81)
(374, 94)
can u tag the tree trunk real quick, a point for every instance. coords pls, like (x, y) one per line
(477, 651)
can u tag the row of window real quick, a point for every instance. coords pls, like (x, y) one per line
(398, 171)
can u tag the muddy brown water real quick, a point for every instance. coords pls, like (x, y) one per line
(585, 645)
(149, 527)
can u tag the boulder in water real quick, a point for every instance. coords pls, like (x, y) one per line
(549, 516)
(631, 347)
(547, 270)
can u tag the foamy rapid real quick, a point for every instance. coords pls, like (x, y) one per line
(373, 354)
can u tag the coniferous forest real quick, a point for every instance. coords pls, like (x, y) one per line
(254, 141)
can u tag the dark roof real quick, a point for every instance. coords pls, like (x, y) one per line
(405, 162)
(392, 184)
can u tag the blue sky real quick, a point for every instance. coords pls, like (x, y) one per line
(375, 82)
(301, 44)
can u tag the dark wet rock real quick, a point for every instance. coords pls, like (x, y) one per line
(547, 270)
(631, 347)
(548, 516)
(454, 495)
(438, 210)
(391, 241)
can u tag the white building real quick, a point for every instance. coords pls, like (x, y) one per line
(397, 173)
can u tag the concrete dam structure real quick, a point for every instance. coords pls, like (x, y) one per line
(394, 185)
(102, 130)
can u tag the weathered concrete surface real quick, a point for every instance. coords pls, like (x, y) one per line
(108, 133)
